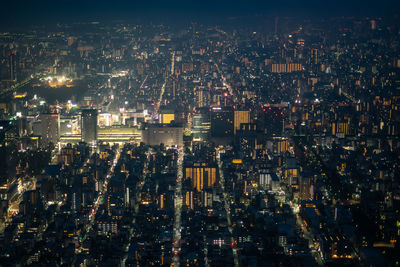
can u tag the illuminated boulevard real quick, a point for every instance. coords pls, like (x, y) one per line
(136, 202)
(99, 201)
(162, 89)
(227, 201)
(178, 209)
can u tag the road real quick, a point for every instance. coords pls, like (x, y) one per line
(99, 201)
(139, 185)
(144, 81)
(307, 235)
(173, 63)
(350, 97)
(224, 82)
(17, 86)
(158, 103)
(206, 262)
(227, 208)
(136, 201)
(178, 209)
(14, 202)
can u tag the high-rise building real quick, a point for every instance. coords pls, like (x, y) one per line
(49, 128)
(201, 96)
(248, 138)
(268, 179)
(30, 201)
(200, 99)
(341, 128)
(89, 125)
(188, 200)
(208, 196)
(222, 122)
(314, 56)
(166, 116)
(285, 68)
(169, 135)
(240, 116)
(201, 175)
(373, 24)
(272, 121)
(67, 155)
(13, 66)
(305, 188)
(201, 125)
(282, 145)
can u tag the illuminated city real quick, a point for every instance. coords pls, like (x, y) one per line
(211, 133)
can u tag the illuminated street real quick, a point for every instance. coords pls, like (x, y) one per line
(99, 201)
(178, 209)
(227, 201)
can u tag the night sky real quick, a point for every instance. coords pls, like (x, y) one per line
(44, 11)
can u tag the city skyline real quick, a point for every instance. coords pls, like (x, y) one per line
(183, 133)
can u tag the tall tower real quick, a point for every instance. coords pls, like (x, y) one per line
(89, 125)
(13, 66)
(276, 26)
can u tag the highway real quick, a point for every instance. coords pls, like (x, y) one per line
(18, 85)
(178, 209)
(21, 84)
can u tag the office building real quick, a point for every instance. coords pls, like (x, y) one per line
(306, 188)
(89, 125)
(13, 66)
(201, 175)
(166, 116)
(201, 125)
(272, 121)
(169, 135)
(49, 128)
(314, 56)
(222, 122)
(240, 116)
(285, 68)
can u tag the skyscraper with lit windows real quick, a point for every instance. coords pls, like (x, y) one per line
(89, 125)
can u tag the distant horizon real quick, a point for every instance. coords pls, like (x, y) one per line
(25, 13)
(230, 21)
